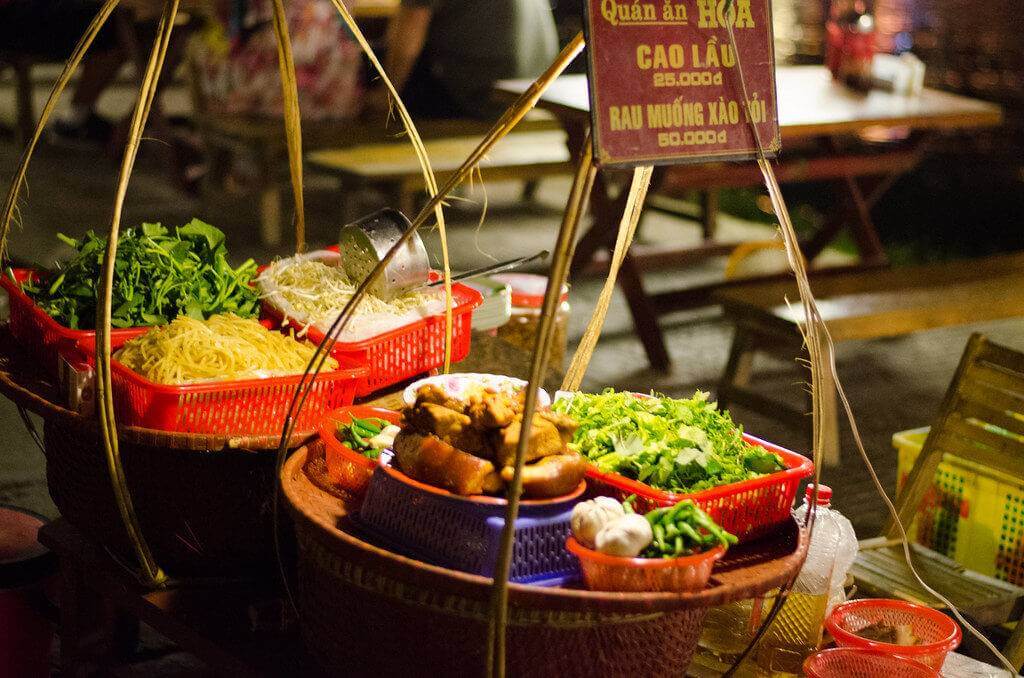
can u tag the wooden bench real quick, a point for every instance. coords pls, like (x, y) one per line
(526, 156)
(263, 139)
(860, 305)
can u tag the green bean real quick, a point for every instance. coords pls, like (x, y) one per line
(659, 534)
(655, 516)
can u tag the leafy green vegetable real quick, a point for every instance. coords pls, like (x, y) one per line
(671, 444)
(157, 277)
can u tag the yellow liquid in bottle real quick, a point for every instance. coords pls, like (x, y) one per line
(794, 635)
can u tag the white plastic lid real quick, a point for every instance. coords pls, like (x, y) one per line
(528, 288)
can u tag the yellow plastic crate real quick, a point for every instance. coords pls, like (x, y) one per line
(973, 513)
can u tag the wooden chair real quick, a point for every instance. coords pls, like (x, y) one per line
(981, 420)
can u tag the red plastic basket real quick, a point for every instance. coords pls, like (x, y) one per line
(244, 407)
(747, 509)
(847, 662)
(685, 574)
(939, 634)
(347, 468)
(44, 337)
(408, 350)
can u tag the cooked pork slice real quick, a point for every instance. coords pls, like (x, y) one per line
(435, 462)
(565, 424)
(544, 440)
(550, 476)
(450, 426)
(491, 410)
(432, 393)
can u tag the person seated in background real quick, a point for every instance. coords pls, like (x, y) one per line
(444, 56)
(236, 62)
(49, 31)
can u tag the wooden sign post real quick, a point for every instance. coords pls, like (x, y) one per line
(665, 80)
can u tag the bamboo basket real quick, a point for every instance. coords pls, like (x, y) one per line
(367, 611)
(203, 500)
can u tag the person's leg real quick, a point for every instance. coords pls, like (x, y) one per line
(426, 96)
(98, 69)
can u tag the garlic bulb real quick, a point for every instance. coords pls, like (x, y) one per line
(588, 517)
(625, 536)
(385, 439)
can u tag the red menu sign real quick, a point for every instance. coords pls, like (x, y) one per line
(665, 81)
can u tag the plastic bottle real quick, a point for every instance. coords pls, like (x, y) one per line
(797, 630)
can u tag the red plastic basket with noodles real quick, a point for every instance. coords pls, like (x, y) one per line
(241, 407)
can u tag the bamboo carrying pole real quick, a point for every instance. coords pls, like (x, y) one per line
(582, 183)
(429, 180)
(151, 572)
(627, 229)
(292, 124)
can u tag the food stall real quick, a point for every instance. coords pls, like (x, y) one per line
(298, 423)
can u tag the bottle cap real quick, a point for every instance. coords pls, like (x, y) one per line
(824, 494)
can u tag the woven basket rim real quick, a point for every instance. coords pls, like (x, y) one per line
(294, 481)
(35, 400)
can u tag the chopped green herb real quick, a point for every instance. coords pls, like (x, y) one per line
(668, 443)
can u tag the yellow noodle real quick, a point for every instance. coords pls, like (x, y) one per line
(221, 348)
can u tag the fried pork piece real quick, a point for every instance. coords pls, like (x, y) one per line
(451, 426)
(491, 410)
(550, 476)
(433, 461)
(565, 424)
(545, 440)
(432, 393)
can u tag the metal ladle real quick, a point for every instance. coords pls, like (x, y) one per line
(363, 243)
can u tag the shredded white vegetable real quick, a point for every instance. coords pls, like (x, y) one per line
(313, 293)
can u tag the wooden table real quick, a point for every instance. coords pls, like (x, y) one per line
(816, 116)
(374, 9)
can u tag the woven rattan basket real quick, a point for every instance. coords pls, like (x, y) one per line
(203, 500)
(366, 611)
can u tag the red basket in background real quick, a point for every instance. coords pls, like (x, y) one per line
(406, 351)
(747, 509)
(244, 407)
(938, 634)
(40, 334)
(843, 662)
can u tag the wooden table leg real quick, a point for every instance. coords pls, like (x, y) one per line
(645, 316)
(738, 367)
(606, 213)
(709, 213)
